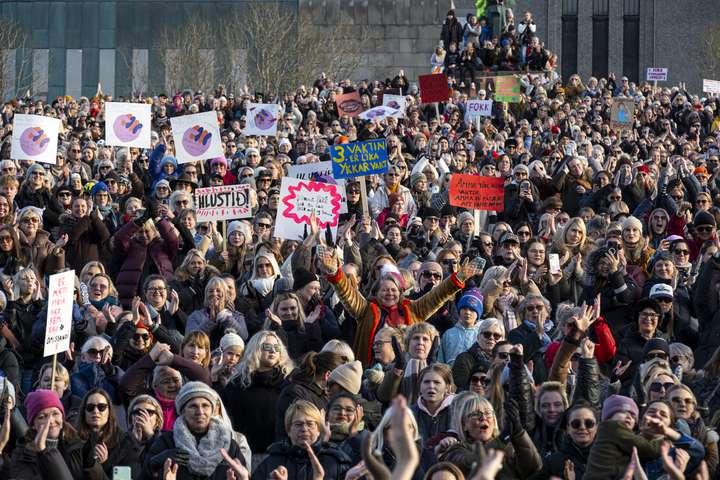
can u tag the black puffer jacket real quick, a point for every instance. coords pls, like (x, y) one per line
(707, 306)
(468, 362)
(334, 461)
(554, 465)
(20, 319)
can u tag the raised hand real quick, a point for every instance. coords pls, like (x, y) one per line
(328, 261)
(490, 467)
(587, 348)
(272, 317)
(62, 241)
(39, 443)
(470, 268)
(170, 469)
(318, 470)
(241, 473)
(315, 314)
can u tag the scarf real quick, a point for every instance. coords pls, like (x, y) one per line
(168, 409)
(99, 304)
(263, 285)
(393, 316)
(205, 454)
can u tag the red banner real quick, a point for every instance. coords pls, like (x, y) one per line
(473, 191)
(434, 88)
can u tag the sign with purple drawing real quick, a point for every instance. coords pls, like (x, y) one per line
(127, 124)
(35, 137)
(197, 137)
(396, 102)
(262, 119)
(380, 113)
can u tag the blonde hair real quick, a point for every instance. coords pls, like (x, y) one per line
(420, 327)
(282, 297)
(201, 340)
(250, 362)
(112, 291)
(377, 439)
(341, 348)
(60, 372)
(216, 282)
(16, 284)
(89, 265)
(306, 408)
(159, 419)
(473, 404)
(547, 387)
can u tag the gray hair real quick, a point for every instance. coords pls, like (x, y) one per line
(491, 322)
(534, 296)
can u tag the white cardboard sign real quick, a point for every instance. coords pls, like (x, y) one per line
(35, 138)
(224, 202)
(59, 313)
(657, 74)
(127, 124)
(197, 137)
(262, 119)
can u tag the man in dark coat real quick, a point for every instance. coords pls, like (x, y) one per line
(452, 31)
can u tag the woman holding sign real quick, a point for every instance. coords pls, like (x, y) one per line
(389, 307)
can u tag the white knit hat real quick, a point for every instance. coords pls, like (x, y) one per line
(243, 227)
(231, 340)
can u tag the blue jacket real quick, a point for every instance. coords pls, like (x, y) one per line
(456, 340)
(696, 450)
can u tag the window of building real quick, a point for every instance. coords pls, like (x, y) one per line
(631, 40)
(569, 38)
(600, 38)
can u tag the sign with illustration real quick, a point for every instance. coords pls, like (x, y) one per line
(35, 137)
(127, 124)
(349, 104)
(197, 137)
(262, 119)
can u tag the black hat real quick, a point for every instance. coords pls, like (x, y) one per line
(184, 178)
(647, 303)
(704, 218)
(302, 277)
(656, 344)
(426, 212)
(448, 210)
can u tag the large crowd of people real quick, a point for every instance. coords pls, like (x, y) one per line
(586, 346)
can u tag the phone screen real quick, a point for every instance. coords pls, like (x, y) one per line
(554, 260)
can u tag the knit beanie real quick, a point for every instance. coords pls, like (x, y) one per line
(194, 390)
(302, 277)
(231, 340)
(618, 403)
(99, 186)
(243, 227)
(39, 400)
(221, 160)
(656, 344)
(472, 299)
(33, 167)
(632, 222)
(348, 376)
(464, 217)
(417, 177)
(704, 218)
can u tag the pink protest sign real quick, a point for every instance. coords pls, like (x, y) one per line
(299, 199)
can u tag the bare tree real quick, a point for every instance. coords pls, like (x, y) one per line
(188, 55)
(15, 59)
(708, 56)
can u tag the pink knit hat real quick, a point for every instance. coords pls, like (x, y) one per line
(39, 400)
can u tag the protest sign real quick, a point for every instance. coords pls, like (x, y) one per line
(711, 86)
(657, 74)
(396, 102)
(359, 158)
(349, 104)
(473, 191)
(320, 172)
(35, 137)
(197, 137)
(507, 89)
(59, 313)
(477, 108)
(299, 199)
(434, 88)
(127, 124)
(622, 112)
(262, 119)
(380, 113)
(224, 202)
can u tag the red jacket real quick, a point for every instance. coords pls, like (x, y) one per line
(605, 346)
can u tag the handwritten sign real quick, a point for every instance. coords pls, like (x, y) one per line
(711, 86)
(127, 124)
(299, 199)
(477, 108)
(320, 172)
(35, 137)
(262, 119)
(507, 89)
(657, 74)
(59, 313)
(197, 137)
(349, 104)
(434, 88)
(359, 158)
(622, 113)
(224, 202)
(473, 191)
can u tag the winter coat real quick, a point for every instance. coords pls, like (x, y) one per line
(430, 425)
(299, 342)
(93, 375)
(200, 320)
(141, 259)
(42, 253)
(616, 296)
(20, 318)
(86, 237)
(297, 389)
(468, 362)
(533, 349)
(62, 463)
(260, 398)
(456, 341)
(707, 306)
(41, 198)
(164, 447)
(567, 186)
(446, 316)
(295, 459)
(369, 315)
(125, 453)
(600, 334)
(554, 465)
(452, 32)
(520, 462)
(191, 292)
(631, 348)
(72, 405)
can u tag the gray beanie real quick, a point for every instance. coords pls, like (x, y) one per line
(193, 390)
(464, 217)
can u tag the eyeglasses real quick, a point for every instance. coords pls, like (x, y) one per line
(659, 387)
(588, 423)
(663, 300)
(649, 316)
(660, 355)
(534, 308)
(681, 252)
(301, 425)
(503, 355)
(390, 174)
(450, 261)
(434, 275)
(182, 202)
(155, 289)
(481, 379)
(270, 347)
(100, 407)
(140, 411)
(479, 415)
(31, 220)
(488, 335)
(264, 225)
(141, 336)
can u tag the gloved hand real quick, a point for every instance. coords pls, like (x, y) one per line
(88, 451)
(512, 415)
(177, 455)
(399, 356)
(432, 356)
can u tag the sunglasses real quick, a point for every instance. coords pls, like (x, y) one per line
(264, 225)
(706, 229)
(140, 411)
(449, 261)
(269, 347)
(434, 275)
(577, 424)
(489, 335)
(100, 407)
(658, 387)
(660, 355)
(483, 380)
(503, 355)
(141, 336)
(681, 252)
(534, 308)
(94, 352)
